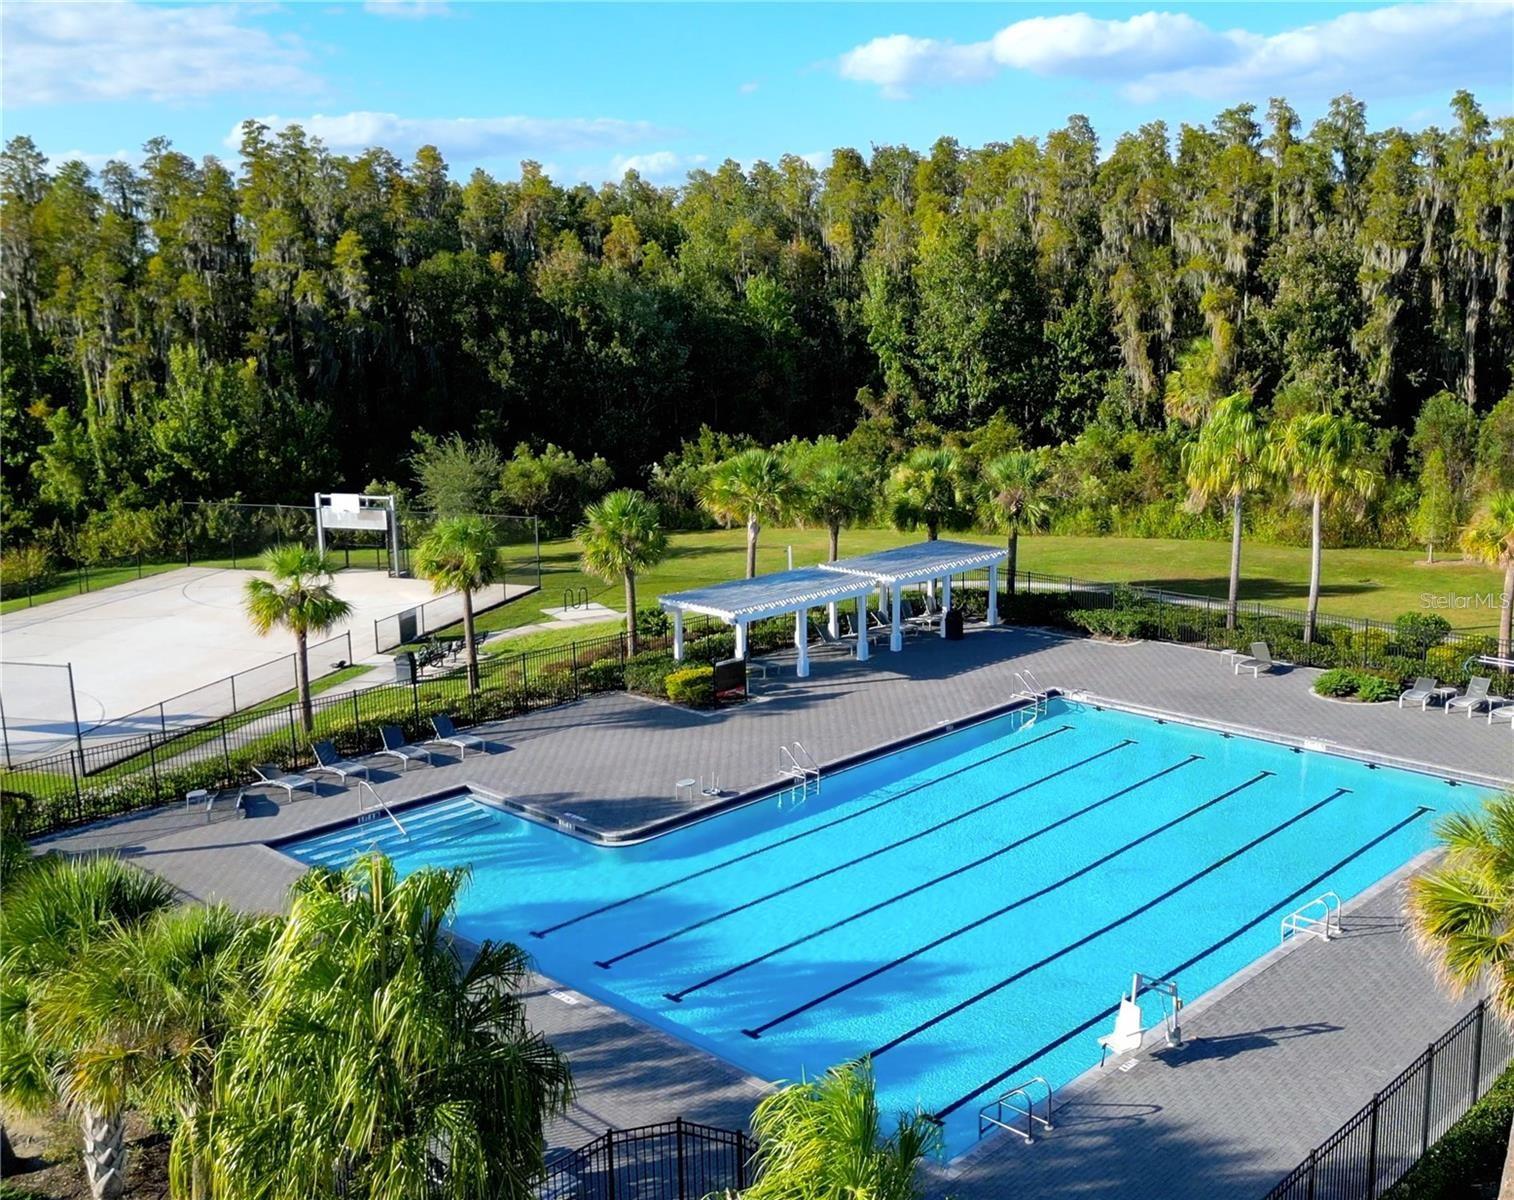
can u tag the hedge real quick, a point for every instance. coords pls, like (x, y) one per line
(1468, 1160)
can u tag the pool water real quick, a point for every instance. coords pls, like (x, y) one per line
(968, 909)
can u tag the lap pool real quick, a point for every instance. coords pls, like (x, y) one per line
(968, 909)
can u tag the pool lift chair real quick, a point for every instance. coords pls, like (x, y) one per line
(1129, 1030)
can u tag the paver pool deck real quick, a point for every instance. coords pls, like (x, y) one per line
(1275, 1060)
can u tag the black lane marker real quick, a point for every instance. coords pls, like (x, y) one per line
(678, 996)
(759, 1030)
(1239, 931)
(607, 963)
(1103, 929)
(861, 812)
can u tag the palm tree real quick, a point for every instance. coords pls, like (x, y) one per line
(298, 598)
(822, 1140)
(1322, 455)
(619, 536)
(833, 490)
(1227, 461)
(1017, 490)
(53, 916)
(461, 554)
(377, 1056)
(1489, 537)
(927, 489)
(753, 486)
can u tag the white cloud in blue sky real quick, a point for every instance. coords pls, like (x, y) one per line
(465, 137)
(1156, 54)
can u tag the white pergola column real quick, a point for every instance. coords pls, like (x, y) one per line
(833, 619)
(946, 600)
(896, 630)
(802, 641)
(678, 635)
(741, 639)
(862, 628)
(993, 593)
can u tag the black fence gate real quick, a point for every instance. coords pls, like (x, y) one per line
(677, 1160)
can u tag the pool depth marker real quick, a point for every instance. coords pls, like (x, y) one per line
(759, 1030)
(607, 963)
(994, 988)
(1193, 960)
(861, 812)
(678, 996)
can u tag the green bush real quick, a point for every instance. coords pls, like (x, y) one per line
(1370, 687)
(1468, 1160)
(606, 675)
(1416, 632)
(1374, 689)
(1339, 682)
(653, 622)
(711, 648)
(648, 671)
(694, 686)
(1114, 622)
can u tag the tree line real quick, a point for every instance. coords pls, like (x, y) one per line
(198, 330)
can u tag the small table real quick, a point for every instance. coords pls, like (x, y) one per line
(1228, 657)
(196, 796)
(684, 789)
(1442, 694)
(759, 667)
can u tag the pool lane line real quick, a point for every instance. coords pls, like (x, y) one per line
(861, 812)
(1193, 960)
(758, 1030)
(1154, 902)
(607, 963)
(677, 997)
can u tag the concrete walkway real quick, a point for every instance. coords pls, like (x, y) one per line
(1275, 1061)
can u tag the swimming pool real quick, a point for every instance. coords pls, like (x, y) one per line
(967, 909)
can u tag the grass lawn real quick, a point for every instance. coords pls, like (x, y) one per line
(1358, 583)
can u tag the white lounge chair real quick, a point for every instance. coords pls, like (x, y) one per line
(447, 734)
(328, 759)
(1259, 661)
(1425, 689)
(1501, 712)
(272, 773)
(395, 746)
(1474, 696)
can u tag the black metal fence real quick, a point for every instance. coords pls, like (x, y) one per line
(677, 1160)
(1374, 1149)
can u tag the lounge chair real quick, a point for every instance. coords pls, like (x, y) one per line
(1259, 661)
(1501, 712)
(328, 759)
(395, 746)
(447, 735)
(1423, 691)
(922, 616)
(1474, 696)
(272, 773)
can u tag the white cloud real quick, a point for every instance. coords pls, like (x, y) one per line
(116, 51)
(750, 86)
(95, 161)
(463, 137)
(407, 10)
(657, 166)
(1403, 48)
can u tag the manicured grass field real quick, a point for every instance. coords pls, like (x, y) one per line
(1379, 584)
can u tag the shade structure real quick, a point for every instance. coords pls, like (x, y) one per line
(739, 602)
(922, 562)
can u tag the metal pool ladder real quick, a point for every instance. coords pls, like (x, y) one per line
(1031, 688)
(1321, 916)
(364, 786)
(992, 1115)
(799, 765)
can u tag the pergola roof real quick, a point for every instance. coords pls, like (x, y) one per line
(768, 595)
(921, 560)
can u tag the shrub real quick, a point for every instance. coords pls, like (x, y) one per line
(1113, 622)
(606, 675)
(1374, 689)
(1339, 682)
(711, 648)
(1416, 632)
(24, 569)
(694, 686)
(1367, 686)
(653, 623)
(648, 671)
(1468, 1160)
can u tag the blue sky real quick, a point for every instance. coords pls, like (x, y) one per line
(590, 89)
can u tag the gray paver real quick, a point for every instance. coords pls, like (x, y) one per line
(1274, 1064)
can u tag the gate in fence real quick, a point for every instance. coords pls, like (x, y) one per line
(677, 1160)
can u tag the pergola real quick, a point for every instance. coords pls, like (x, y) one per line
(924, 562)
(739, 602)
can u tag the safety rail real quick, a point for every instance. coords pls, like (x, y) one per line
(799, 765)
(364, 786)
(1031, 688)
(1320, 916)
(991, 1115)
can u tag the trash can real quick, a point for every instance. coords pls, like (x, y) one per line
(954, 624)
(404, 667)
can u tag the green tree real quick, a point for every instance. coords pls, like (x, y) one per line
(1019, 496)
(54, 914)
(1324, 458)
(552, 485)
(754, 486)
(1227, 461)
(928, 490)
(823, 1140)
(834, 491)
(619, 536)
(298, 598)
(1489, 538)
(1438, 514)
(456, 478)
(378, 1056)
(461, 554)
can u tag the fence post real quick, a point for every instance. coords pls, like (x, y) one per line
(152, 758)
(678, 1135)
(162, 719)
(226, 749)
(609, 1164)
(1424, 1139)
(1477, 1052)
(1313, 1164)
(76, 766)
(1377, 1098)
(415, 694)
(294, 737)
(73, 701)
